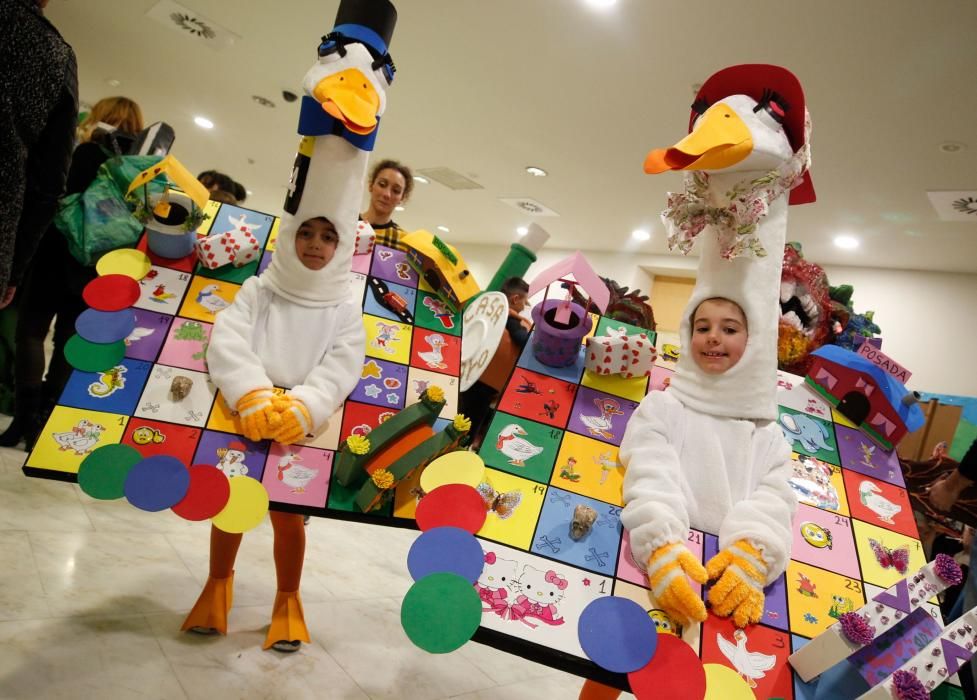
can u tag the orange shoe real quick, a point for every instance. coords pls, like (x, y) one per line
(287, 623)
(209, 613)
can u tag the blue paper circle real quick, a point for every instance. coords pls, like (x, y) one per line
(105, 326)
(157, 483)
(446, 550)
(617, 634)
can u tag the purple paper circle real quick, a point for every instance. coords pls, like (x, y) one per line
(105, 326)
(157, 483)
(446, 550)
(617, 634)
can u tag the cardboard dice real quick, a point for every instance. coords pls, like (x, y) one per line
(365, 237)
(627, 355)
(237, 247)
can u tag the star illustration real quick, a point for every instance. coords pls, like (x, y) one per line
(393, 398)
(372, 390)
(371, 369)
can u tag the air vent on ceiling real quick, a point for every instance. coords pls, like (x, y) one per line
(528, 205)
(450, 178)
(192, 24)
(954, 205)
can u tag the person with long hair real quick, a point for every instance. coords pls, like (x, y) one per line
(55, 280)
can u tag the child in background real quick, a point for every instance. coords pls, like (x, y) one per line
(295, 326)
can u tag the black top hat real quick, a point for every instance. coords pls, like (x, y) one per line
(369, 21)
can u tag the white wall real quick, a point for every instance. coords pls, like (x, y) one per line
(928, 320)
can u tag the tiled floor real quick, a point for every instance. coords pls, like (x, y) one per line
(92, 594)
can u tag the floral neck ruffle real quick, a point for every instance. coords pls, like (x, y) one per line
(689, 212)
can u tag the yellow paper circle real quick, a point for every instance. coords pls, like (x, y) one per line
(723, 683)
(461, 467)
(125, 261)
(246, 506)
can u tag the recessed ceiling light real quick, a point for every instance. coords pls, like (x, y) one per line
(444, 228)
(203, 122)
(249, 191)
(536, 172)
(112, 82)
(398, 208)
(639, 234)
(846, 242)
(421, 179)
(522, 230)
(952, 146)
(602, 4)
(263, 101)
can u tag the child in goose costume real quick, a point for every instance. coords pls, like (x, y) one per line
(707, 453)
(297, 325)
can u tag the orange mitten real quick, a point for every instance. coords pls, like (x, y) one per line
(667, 570)
(739, 592)
(296, 422)
(258, 416)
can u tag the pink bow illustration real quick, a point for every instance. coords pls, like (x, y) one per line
(556, 579)
(490, 558)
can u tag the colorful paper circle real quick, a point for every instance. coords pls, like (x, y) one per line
(208, 493)
(102, 474)
(93, 357)
(246, 506)
(617, 634)
(111, 292)
(673, 672)
(105, 326)
(723, 683)
(446, 550)
(441, 612)
(452, 505)
(460, 467)
(125, 261)
(157, 483)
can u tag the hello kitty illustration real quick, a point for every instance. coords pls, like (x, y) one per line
(538, 593)
(493, 584)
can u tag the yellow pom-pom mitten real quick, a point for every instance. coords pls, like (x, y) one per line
(667, 570)
(296, 422)
(257, 414)
(739, 591)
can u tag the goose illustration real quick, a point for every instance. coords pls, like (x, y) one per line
(296, 476)
(514, 447)
(434, 358)
(749, 664)
(210, 300)
(868, 494)
(601, 425)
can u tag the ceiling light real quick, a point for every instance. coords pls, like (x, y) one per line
(522, 230)
(602, 4)
(249, 192)
(398, 208)
(112, 82)
(536, 172)
(444, 228)
(263, 101)
(639, 234)
(203, 122)
(421, 179)
(846, 242)
(952, 146)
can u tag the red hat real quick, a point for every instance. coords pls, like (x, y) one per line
(237, 445)
(753, 79)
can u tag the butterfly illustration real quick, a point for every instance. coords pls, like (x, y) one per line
(897, 558)
(502, 504)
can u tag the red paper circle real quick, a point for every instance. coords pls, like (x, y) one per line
(452, 505)
(111, 292)
(673, 672)
(208, 493)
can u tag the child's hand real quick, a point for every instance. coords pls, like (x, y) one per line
(295, 421)
(667, 570)
(258, 417)
(739, 591)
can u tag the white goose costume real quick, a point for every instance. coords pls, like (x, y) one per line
(707, 453)
(292, 326)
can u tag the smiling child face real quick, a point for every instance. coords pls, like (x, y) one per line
(719, 335)
(315, 242)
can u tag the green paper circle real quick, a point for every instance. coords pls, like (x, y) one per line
(93, 357)
(102, 474)
(441, 612)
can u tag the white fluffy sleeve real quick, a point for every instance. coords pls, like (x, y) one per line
(765, 517)
(654, 506)
(233, 365)
(328, 384)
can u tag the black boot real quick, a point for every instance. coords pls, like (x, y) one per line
(25, 425)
